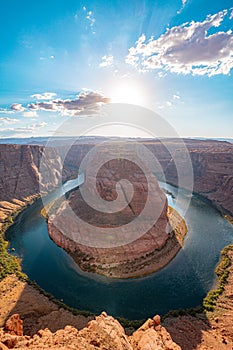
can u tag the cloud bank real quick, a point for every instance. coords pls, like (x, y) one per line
(6, 120)
(85, 103)
(22, 130)
(187, 49)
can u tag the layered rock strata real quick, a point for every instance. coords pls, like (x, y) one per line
(152, 249)
(212, 163)
(20, 176)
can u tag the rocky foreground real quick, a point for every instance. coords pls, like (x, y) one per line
(104, 332)
(45, 325)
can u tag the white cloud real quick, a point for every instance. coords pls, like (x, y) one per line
(6, 120)
(162, 74)
(31, 127)
(107, 61)
(231, 14)
(17, 107)
(90, 18)
(187, 49)
(176, 97)
(22, 130)
(30, 114)
(87, 102)
(50, 106)
(44, 58)
(6, 111)
(182, 7)
(44, 96)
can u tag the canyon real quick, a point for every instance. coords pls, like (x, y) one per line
(19, 183)
(212, 163)
(152, 248)
(213, 168)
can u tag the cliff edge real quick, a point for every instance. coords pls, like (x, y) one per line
(151, 251)
(104, 332)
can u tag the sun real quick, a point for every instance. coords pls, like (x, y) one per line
(127, 92)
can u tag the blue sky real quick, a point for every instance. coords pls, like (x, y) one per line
(175, 57)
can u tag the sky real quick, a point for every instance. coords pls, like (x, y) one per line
(65, 59)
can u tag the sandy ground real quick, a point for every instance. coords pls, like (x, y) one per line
(36, 310)
(214, 330)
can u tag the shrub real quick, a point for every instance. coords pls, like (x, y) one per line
(222, 272)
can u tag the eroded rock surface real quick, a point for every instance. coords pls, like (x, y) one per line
(149, 251)
(14, 325)
(20, 175)
(104, 333)
(212, 163)
(151, 335)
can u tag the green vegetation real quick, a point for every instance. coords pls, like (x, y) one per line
(222, 272)
(8, 264)
(59, 303)
(228, 218)
(183, 312)
(135, 324)
(52, 207)
(11, 265)
(9, 220)
(210, 300)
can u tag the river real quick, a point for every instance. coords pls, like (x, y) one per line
(181, 284)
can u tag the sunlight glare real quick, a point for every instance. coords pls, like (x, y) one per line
(127, 92)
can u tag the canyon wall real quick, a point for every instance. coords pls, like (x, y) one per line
(212, 163)
(150, 246)
(20, 174)
(19, 168)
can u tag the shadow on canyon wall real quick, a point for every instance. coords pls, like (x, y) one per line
(37, 312)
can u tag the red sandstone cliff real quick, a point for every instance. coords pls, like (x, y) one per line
(19, 175)
(212, 163)
(152, 249)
